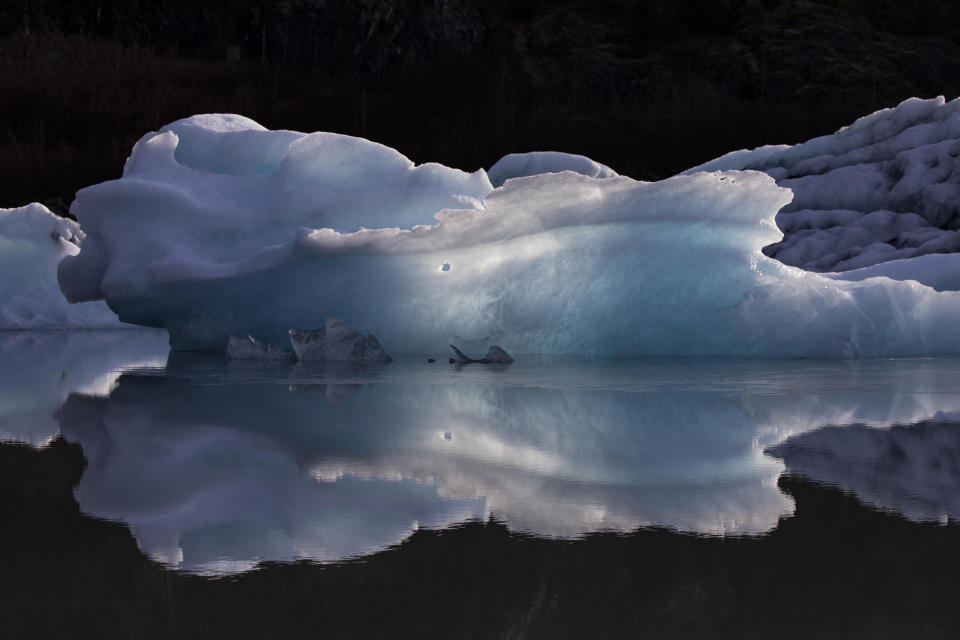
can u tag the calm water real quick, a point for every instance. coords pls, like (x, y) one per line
(163, 495)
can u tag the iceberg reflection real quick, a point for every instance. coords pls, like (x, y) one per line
(39, 369)
(218, 466)
(913, 469)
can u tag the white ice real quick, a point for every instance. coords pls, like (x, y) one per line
(885, 188)
(32, 242)
(219, 227)
(521, 165)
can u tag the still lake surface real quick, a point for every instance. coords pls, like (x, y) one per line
(156, 494)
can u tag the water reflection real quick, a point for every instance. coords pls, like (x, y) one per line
(216, 466)
(913, 470)
(39, 369)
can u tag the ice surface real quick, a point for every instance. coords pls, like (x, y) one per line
(938, 270)
(910, 469)
(215, 469)
(521, 165)
(226, 189)
(221, 228)
(32, 242)
(884, 188)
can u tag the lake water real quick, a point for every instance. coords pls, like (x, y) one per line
(149, 494)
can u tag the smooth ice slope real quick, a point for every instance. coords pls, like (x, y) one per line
(885, 188)
(521, 165)
(218, 229)
(32, 242)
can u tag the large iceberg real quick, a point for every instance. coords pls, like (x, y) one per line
(219, 227)
(32, 242)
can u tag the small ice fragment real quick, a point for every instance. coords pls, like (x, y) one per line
(495, 355)
(337, 341)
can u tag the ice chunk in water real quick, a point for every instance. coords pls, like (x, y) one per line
(338, 342)
(32, 242)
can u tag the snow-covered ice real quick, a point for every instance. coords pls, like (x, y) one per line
(219, 227)
(885, 188)
(32, 242)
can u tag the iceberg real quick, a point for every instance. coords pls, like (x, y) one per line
(219, 227)
(32, 242)
(884, 188)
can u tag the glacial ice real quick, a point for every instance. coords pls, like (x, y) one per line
(885, 188)
(219, 227)
(941, 271)
(521, 165)
(32, 242)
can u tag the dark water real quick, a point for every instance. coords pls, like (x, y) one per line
(153, 495)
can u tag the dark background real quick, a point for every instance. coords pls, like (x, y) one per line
(649, 87)
(835, 569)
